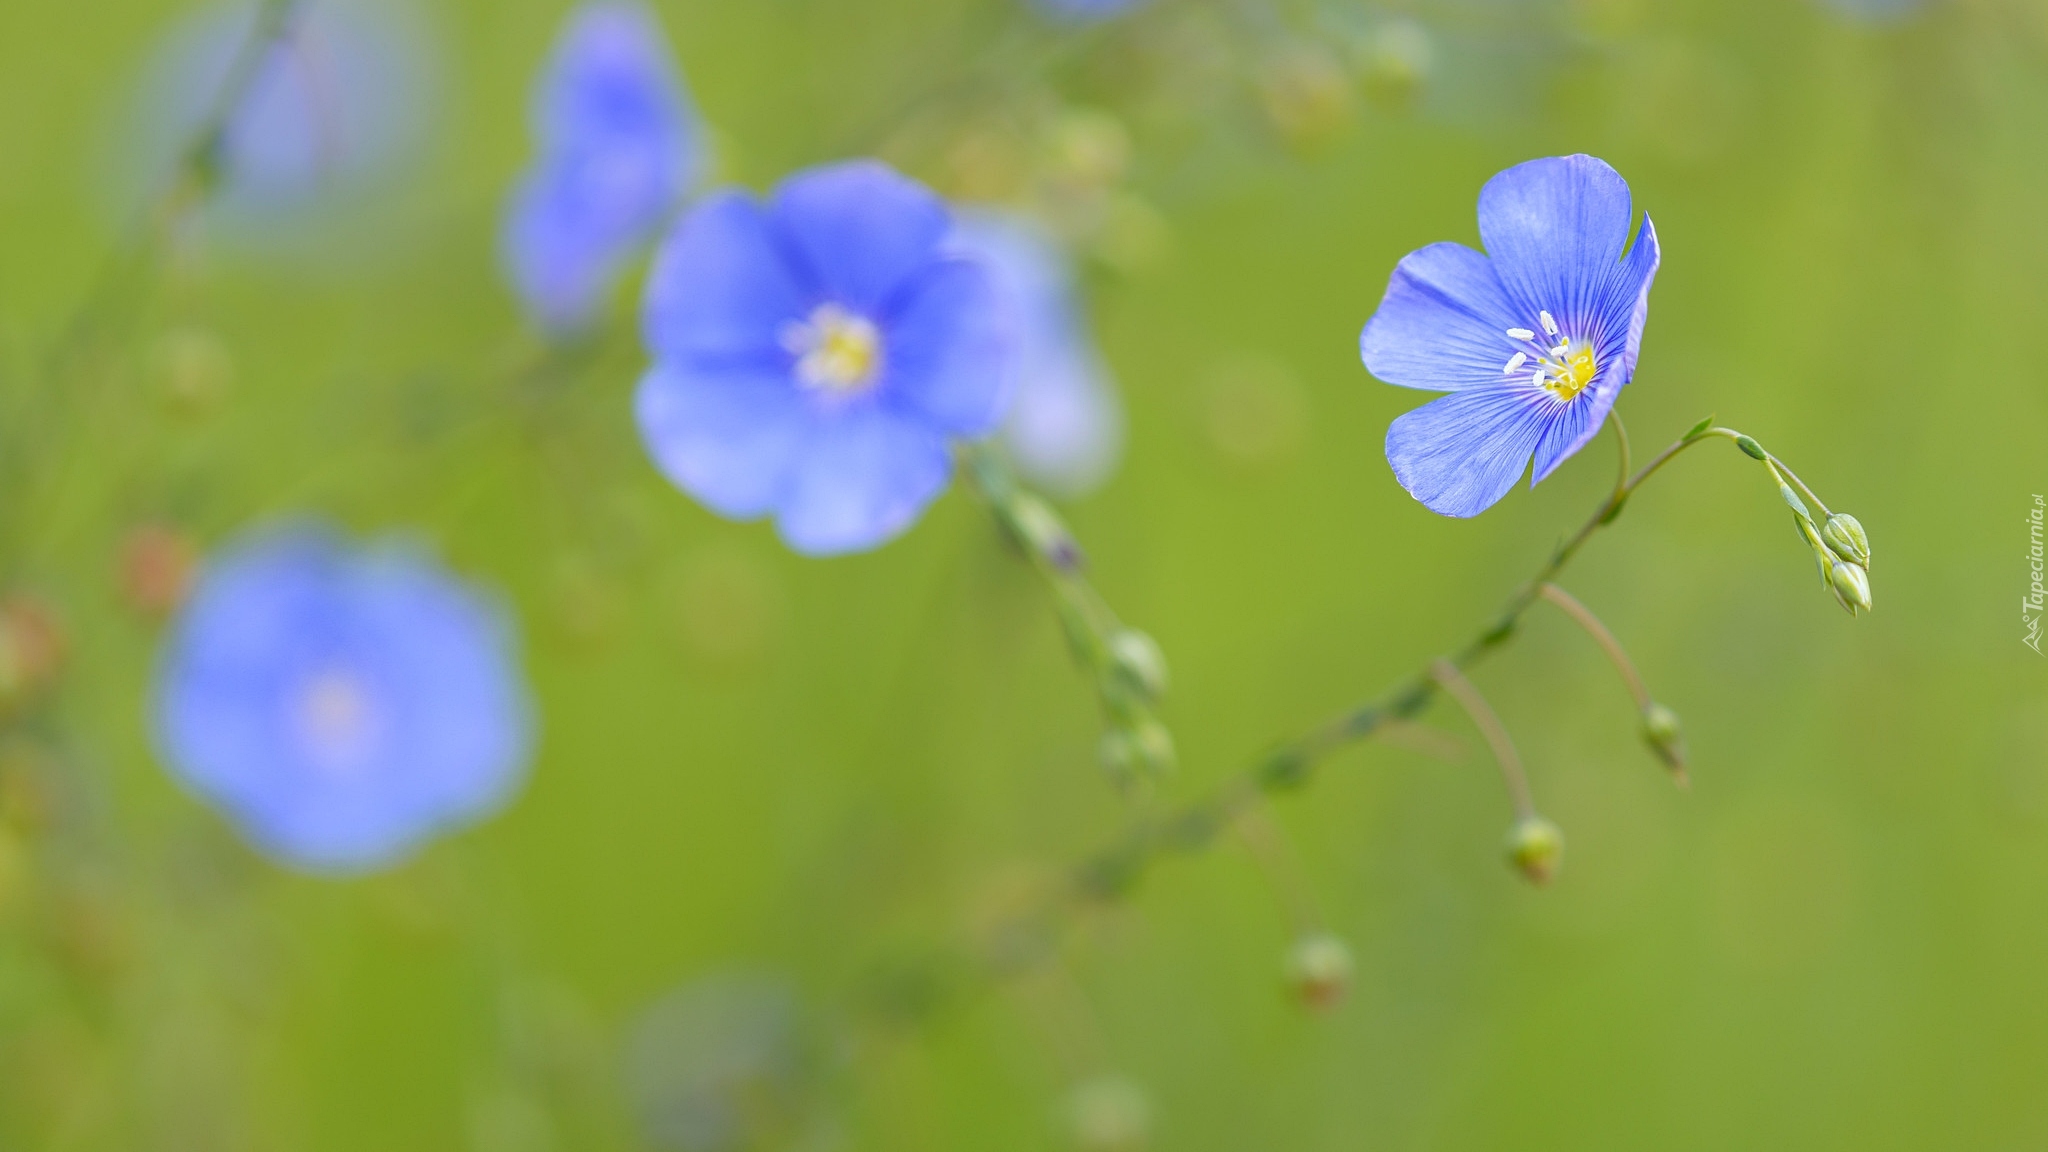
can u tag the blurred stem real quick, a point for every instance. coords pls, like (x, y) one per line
(1474, 703)
(1585, 619)
(193, 176)
(1091, 626)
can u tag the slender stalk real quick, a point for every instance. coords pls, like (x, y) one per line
(1474, 702)
(1585, 619)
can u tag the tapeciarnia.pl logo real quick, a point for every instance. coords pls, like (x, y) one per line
(2037, 597)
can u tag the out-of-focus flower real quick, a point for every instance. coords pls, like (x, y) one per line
(330, 109)
(1085, 11)
(341, 704)
(1065, 426)
(156, 568)
(618, 146)
(1533, 342)
(813, 355)
(722, 1064)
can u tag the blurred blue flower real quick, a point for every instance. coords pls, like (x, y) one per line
(1081, 11)
(814, 353)
(618, 149)
(334, 104)
(1533, 344)
(1065, 426)
(1875, 11)
(341, 704)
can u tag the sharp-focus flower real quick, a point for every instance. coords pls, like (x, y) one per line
(1533, 340)
(331, 107)
(814, 353)
(617, 150)
(1065, 426)
(341, 705)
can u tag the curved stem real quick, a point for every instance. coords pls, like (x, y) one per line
(1474, 702)
(1585, 619)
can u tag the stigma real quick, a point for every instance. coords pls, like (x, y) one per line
(1559, 364)
(836, 351)
(335, 715)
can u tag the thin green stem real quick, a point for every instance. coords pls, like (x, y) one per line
(1583, 616)
(1474, 703)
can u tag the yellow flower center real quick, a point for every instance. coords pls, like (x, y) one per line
(1558, 364)
(836, 351)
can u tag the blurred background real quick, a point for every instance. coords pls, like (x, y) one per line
(765, 786)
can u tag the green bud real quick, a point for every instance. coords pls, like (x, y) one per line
(1536, 849)
(1138, 664)
(1851, 586)
(1662, 733)
(1041, 530)
(1142, 746)
(1845, 537)
(1319, 970)
(1750, 448)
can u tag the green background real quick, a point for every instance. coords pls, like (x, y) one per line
(1836, 939)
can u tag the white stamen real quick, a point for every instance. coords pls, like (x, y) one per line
(1560, 350)
(1520, 334)
(1549, 322)
(1517, 361)
(1537, 378)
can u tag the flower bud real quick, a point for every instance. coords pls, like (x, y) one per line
(156, 569)
(1844, 535)
(1851, 586)
(1140, 746)
(1138, 664)
(1041, 530)
(31, 649)
(1662, 733)
(1110, 1114)
(1536, 849)
(1319, 970)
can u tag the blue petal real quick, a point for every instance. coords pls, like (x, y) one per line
(1443, 323)
(1555, 229)
(560, 264)
(722, 288)
(1461, 453)
(728, 437)
(861, 229)
(1627, 294)
(612, 81)
(863, 478)
(949, 350)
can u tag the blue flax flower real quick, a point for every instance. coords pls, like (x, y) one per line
(617, 150)
(331, 108)
(814, 354)
(340, 705)
(1533, 341)
(1065, 424)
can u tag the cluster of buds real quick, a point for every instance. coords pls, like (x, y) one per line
(1128, 668)
(1842, 554)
